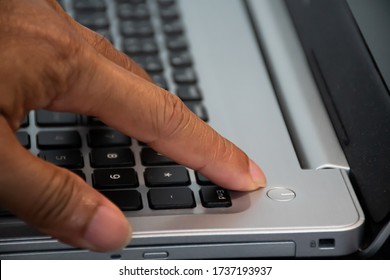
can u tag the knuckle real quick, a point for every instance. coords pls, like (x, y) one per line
(173, 116)
(104, 46)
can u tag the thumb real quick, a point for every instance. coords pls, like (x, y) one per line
(56, 201)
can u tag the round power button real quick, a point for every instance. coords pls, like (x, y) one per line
(281, 194)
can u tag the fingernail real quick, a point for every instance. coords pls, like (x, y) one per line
(257, 174)
(108, 230)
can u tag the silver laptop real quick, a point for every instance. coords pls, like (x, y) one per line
(243, 66)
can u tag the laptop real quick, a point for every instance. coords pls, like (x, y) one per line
(302, 86)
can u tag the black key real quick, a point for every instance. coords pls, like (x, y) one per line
(107, 137)
(171, 198)
(132, 46)
(138, 46)
(63, 158)
(149, 63)
(185, 76)
(202, 180)
(189, 93)
(128, 11)
(136, 29)
(94, 21)
(169, 13)
(150, 157)
(180, 59)
(166, 176)
(114, 178)
(149, 46)
(89, 5)
(24, 139)
(58, 139)
(213, 197)
(112, 157)
(176, 43)
(173, 28)
(198, 109)
(165, 3)
(128, 28)
(47, 118)
(126, 200)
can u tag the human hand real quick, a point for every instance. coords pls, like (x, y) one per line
(48, 61)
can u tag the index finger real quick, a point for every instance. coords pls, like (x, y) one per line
(152, 115)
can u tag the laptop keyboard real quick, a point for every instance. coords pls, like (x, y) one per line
(136, 178)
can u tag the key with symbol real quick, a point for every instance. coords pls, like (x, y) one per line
(171, 198)
(166, 176)
(214, 197)
(114, 178)
(112, 157)
(63, 158)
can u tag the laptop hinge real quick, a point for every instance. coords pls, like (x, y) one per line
(310, 128)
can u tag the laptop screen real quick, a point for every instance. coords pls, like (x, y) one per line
(373, 20)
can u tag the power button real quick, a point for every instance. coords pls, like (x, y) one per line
(281, 194)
